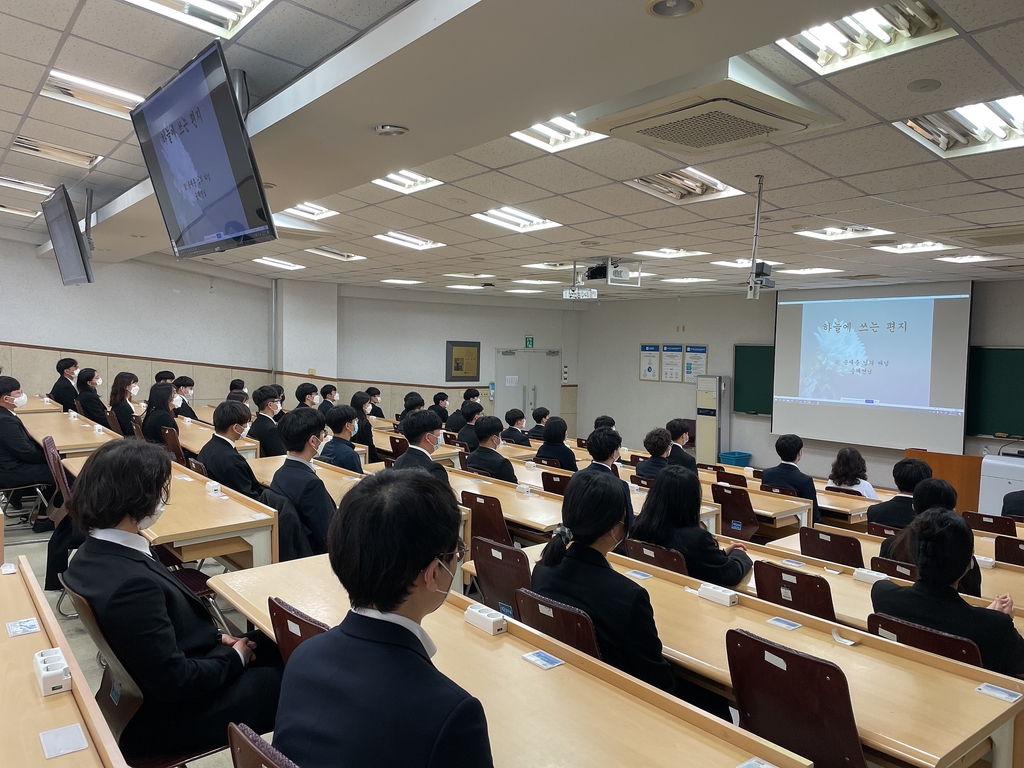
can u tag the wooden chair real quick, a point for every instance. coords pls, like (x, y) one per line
(563, 622)
(776, 687)
(581, 442)
(635, 458)
(463, 465)
(500, 571)
(1010, 549)
(137, 427)
(113, 424)
(250, 750)
(291, 626)
(778, 489)
(615, 469)
(78, 406)
(1004, 526)
(554, 483)
(802, 592)
(927, 639)
(758, 474)
(170, 437)
(652, 554)
(449, 438)
(711, 467)
(197, 466)
(738, 518)
(885, 531)
(398, 417)
(894, 568)
(833, 547)
(732, 478)
(56, 515)
(399, 445)
(643, 482)
(847, 491)
(388, 463)
(548, 463)
(462, 446)
(486, 518)
(481, 472)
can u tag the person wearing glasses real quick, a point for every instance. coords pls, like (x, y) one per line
(394, 546)
(264, 427)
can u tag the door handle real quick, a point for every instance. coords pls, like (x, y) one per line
(534, 403)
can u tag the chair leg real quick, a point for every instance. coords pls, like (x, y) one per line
(60, 600)
(212, 606)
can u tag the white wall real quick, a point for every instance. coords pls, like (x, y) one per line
(307, 327)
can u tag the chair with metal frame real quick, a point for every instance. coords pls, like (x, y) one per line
(802, 592)
(500, 570)
(652, 554)
(834, 547)
(291, 626)
(562, 622)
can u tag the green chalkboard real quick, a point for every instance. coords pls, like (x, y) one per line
(753, 374)
(995, 391)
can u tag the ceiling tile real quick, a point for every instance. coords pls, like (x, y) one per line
(456, 199)
(356, 13)
(730, 206)
(40, 171)
(821, 93)
(937, 192)
(51, 13)
(806, 194)
(82, 119)
(475, 228)
(264, 74)
(371, 193)
(971, 14)
(556, 174)
(139, 32)
(410, 205)
(13, 100)
(675, 216)
(1005, 162)
(1004, 45)
(874, 148)
(1001, 216)
(772, 58)
(501, 152)
(604, 227)
(124, 170)
(618, 199)
(498, 186)
(564, 210)
(909, 178)
(9, 122)
(27, 41)
(112, 67)
(385, 219)
(450, 168)
(958, 205)
(778, 168)
(21, 74)
(620, 160)
(295, 34)
(68, 137)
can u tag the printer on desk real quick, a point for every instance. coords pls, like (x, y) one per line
(1000, 475)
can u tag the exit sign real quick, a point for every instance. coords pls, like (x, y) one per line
(529, 342)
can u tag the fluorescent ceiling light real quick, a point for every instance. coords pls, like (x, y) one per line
(842, 233)
(550, 265)
(407, 182)
(516, 220)
(44, 149)
(310, 211)
(557, 134)
(269, 262)
(467, 276)
(925, 247)
(972, 259)
(466, 287)
(642, 274)
(223, 18)
(25, 186)
(670, 253)
(524, 290)
(972, 129)
(688, 280)
(409, 241)
(397, 281)
(72, 89)
(744, 263)
(809, 271)
(19, 211)
(687, 185)
(330, 253)
(537, 282)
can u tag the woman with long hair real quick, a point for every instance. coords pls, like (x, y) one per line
(124, 388)
(554, 446)
(160, 412)
(364, 434)
(92, 406)
(849, 470)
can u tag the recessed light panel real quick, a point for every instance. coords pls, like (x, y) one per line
(407, 182)
(687, 185)
(516, 220)
(972, 259)
(744, 263)
(809, 271)
(82, 92)
(468, 276)
(688, 280)
(44, 149)
(269, 262)
(409, 241)
(905, 248)
(557, 134)
(842, 233)
(396, 281)
(537, 282)
(466, 287)
(310, 211)
(330, 253)
(524, 290)
(972, 129)
(25, 186)
(223, 18)
(555, 265)
(18, 211)
(670, 253)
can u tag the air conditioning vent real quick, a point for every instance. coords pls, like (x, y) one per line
(988, 236)
(710, 125)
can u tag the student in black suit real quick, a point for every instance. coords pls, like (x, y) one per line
(92, 406)
(1013, 503)
(604, 421)
(159, 412)
(471, 412)
(603, 446)
(486, 456)
(303, 433)
(124, 388)
(899, 510)
(222, 460)
(364, 436)
(22, 461)
(281, 398)
(671, 519)
(413, 402)
(343, 421)
(194, 680)
(164, 377)
(375, 409)
(554, 446)
(658, 443)
(365, 693)
(944, 549)
(787, 475)
(540, 418)
(680, 433)
(516, 420)
(307, 395)
(264, 428)
(423, 431)
(63, 390)
(329, 398)
(238, 384)
(440, 406)
(184, 389)
(238, 396)
(457, 421)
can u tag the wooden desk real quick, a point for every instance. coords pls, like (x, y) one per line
(205, 413)
(40, 405)
(772, 510)
(25, 712)
(446, 454)
(884, 494)
(605, 718)
(536, 510)
(197, 434)
(513, 452)
(338, 481)
(237, 530)
(72, 436)
(385, 424)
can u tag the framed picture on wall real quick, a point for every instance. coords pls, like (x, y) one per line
(462, 361)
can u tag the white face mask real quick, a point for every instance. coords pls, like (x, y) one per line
(355, 428)
(150, 520)
(20, 400)
(245, 431)
(276, 407)
(74, 373)
(337, 396)
(320, 446)
(190, 393)
(246, 390)
(317, 399)
(99, 382)
(134, 390)
(367, 408)
(177, 401)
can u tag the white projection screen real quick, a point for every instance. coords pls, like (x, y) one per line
(884, 366)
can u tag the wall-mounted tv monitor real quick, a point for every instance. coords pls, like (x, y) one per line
(200, 161)
(66, 237)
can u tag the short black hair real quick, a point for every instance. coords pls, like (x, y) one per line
(419, 423)
(604, 421)
(657, 441)
(555, 430)
(236, 384)
(909, 472)
(229, 413)
(933, 492)
(677, 428)
(390, 527)
(326, 389)
(238, 396)
(8, 384)
(372, 391)
(788, 447)
(121, 477)
(85, 375)
(280, 391)
(64, 363)
(303, 390)
(264, 395)
(413, 401)
(602, 443)
(487, 427)
(470, 393)
(514, 416)
(163, 377)
(471, 409)
(440, 397)
(183, 381)
(340, 415)
(297, 426)
(539, 414)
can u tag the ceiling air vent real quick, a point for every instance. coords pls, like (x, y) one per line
(988, 236)
(729, 104)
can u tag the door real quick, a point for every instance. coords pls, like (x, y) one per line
(527, 379)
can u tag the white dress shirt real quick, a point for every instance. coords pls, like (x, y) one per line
(402, 621)
(124, 538)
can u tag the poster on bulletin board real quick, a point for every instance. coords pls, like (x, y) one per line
(696, 362)
(650, 362)
(672, 362)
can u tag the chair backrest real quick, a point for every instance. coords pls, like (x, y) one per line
(462, 446)
(137, 426)
(118, 697)
(738, 518)
(777, 688)
(847, 491)
(250, 750)
(291, 626)
(581, 442)
(554, 483)
(635, 458)
(1010, 549)
(500, 571)
(711, 467)
(481, 472)
(883, 530)
(669, 559)
(56, 468)
(197, 466)
(388, 463)
(399, 445)
(170, 437)
(643, 482)
(732, 478)
(463, 464)
(486, 519)
(833, 547)
(449, 438)
(894, 568)
(758, 474)
(548, 462)
(614, 468)
(563, 622)
(927, 639)
(1004, 526)
(398, 417)
(113, 424)
(78, 406)
(802, 592)
(778, 489)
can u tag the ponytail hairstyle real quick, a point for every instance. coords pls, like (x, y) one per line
(945, 545)
(673, 502)
(593, 504)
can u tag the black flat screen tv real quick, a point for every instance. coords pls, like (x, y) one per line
(66, 237)
(200, 161)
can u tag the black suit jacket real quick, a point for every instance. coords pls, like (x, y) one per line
(17, 448)
(970, 584)
(897, 512)
(226, 465)
(516, 436)
(325, 406)
(415, 458)
(681, 458)
(789, 476)
(467, 435)
(559, 452)
(185, 411)
(64, 392)
(298, 483)
(376, 412)
(154, 421)
(456, 421)
(619, 607)
(650, 468)
(442, 413)
(705, 560)
(92, 407)
(342, 453)
(365, 693)
(124, 413)
(492, 462)
(264, 429)
(1001, 646)
(1013, 503)
(536, 431)
(365, 437)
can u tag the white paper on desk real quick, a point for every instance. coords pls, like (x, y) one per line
(259, 515)
(8, 569)
(22, 627)
(186, 478)
(61, 741)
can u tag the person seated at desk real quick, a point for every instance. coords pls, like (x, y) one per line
(375, 409)
(679, 430)
(440, 406)
(658, 443)
(194, 680)
(554, 446)
(944, 549)
(124, 388)
(281, 398)
(423, 431)
(63, 390)
(604, 421)
(264, 428)
(343, 421)
(898, 512)
(365, 693)
(540, 418)
(303, 433)
(164, 377)
(237, 384)
(92, 406)
(307, 395)
(516, 420)
(457, 421)
(329, 398)
(413, 403)
(184, 389)
(788, 475)
(486, 456)
(238, 396)
(222, 460)
(160, 412)
(364, 436)
(603, 446)
(671, 519)
(471, 412)
(22, 461)
(1013, 504)
(849, 470)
